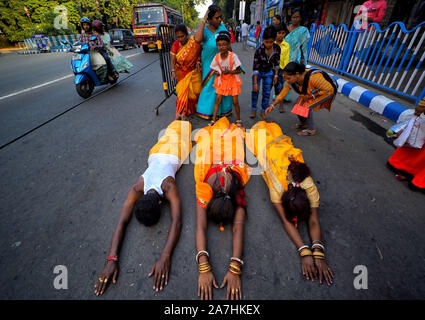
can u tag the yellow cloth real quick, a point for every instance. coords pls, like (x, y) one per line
(284, 54)
(274, 150)
(176, 140)
(221, 143)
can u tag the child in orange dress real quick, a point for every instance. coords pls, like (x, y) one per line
(227, 68)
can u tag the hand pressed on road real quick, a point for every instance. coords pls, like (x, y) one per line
(160, 269)
(205, 282)
(233, 286)
(324, 271)
(109, 271)
(308, 268)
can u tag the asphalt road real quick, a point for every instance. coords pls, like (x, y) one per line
(63, 186)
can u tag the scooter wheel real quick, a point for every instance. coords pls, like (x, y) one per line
(85, 88)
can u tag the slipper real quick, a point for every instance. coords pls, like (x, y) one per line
(306, 133)
(239, 123)
(211, 123)
(281, 109)
(299, 126)
(253, 114)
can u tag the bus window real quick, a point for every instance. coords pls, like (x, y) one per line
(148, 15)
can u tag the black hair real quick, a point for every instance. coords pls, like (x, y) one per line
(296, 204)
(281, 27)
(213, 9)
(278, 17)
(269, 33)
(182, 28)
(301, 14)
(258, 22)
(147, 209)
(295, 200)
(221, 208)
(223, 35)
(293, 67)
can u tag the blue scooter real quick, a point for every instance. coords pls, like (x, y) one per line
(86, 78)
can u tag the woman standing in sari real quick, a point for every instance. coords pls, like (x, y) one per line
(297, 38)
(206, 35)
(185, 56)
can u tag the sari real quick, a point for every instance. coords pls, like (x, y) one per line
(298, 42)
(120, 62)
(206, 102)
(221, 144)
(188, 77)
(274, 152)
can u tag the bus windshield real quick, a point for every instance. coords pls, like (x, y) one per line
(148, 15)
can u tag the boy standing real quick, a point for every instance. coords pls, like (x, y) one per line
(266, 67)
(281, 32)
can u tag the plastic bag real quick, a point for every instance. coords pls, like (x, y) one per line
(417, 135)
(300, 110)
(413, 135)
(396, 129)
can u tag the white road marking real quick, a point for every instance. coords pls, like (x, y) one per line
(35, 87)
(50, 82)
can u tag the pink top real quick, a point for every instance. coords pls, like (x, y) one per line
(375, 11)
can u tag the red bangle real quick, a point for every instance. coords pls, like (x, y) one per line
(201, 254)
(113, 258)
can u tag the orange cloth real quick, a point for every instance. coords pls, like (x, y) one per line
(189, 79)
(222, 143)
(274, 150)
(227, 84)
(175, 141)
(412, 161)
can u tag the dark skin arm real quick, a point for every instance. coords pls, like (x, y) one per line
(161, 268)
(199, 36)
(236, 71)
(205, 280)
(315, 234)
(110, 270)
(307, 264)
(232, 280)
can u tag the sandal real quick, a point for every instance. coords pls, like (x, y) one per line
(306, 133)
(239, 123)
(211, 123)
(299, 126)
(253, 114)
(281, 109)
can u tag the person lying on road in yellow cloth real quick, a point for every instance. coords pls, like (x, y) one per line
(292, 192)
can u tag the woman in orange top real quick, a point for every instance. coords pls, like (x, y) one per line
(319, 94)
(220, 176)
(185, 64)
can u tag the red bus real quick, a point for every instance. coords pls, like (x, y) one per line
(145, 19)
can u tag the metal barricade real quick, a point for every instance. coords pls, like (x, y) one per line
(166, 35)
(391, 59)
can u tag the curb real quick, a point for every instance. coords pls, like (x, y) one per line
(377, 102)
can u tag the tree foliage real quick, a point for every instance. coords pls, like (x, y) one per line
(21, 19)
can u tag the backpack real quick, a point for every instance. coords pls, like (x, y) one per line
(327, 77)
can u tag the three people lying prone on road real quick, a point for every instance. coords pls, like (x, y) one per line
(220, 177)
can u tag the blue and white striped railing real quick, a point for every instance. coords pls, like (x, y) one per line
(391, 59)
(53, 44)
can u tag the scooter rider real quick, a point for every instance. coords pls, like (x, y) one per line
(96, 45)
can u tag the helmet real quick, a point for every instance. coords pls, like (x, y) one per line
(98, 25)
(85, 20)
